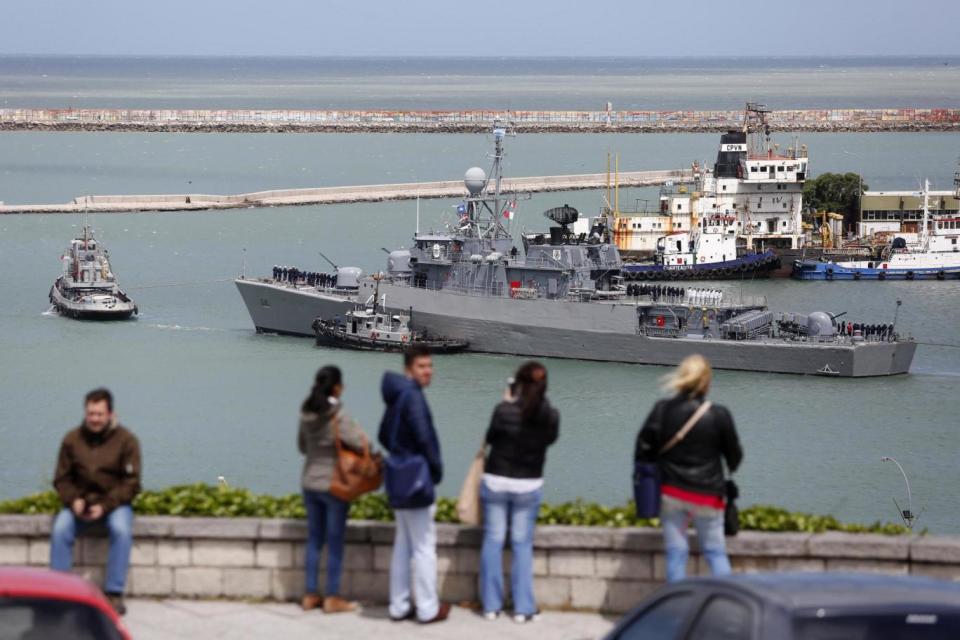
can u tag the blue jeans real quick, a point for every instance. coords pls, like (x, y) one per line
(519, 510)
(675, 517)
(119, 523)
(326, 523)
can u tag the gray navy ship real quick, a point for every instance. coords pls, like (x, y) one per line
(561, 294)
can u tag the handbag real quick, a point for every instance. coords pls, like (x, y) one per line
(354, 474)
(406, 475)
(469, 510)
(646, 475)
(731, 514)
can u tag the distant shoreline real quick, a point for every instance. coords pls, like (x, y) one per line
(470, 121)
(910, 127)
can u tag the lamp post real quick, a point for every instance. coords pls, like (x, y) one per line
(907, 514)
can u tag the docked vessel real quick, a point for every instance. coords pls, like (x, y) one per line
(88, 289)
(707, 253)
(935, 256)
(562, 294)
(754, 189)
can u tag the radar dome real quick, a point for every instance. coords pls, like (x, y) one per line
(475, 178)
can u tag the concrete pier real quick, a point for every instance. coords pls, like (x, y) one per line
(333, 195)
(313, 120)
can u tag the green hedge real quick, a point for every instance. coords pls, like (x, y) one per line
(221, 502)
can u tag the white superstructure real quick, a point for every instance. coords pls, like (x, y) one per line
(752, 182)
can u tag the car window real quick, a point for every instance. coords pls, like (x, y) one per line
(923, 625)
(40, 619)
(663, 619)
(723, 618)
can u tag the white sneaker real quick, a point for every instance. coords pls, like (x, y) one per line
(491, 615)
(519, 618)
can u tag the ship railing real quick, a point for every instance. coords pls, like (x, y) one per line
(734, 302)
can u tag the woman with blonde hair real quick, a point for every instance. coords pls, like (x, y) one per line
(689, 439)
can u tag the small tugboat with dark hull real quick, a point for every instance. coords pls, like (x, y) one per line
(708, 253)
(372, 327)
(88, 289)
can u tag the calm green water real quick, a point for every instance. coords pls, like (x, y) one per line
(209, 397)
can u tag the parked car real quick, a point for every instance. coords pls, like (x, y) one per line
(810, 606)
(41, 604)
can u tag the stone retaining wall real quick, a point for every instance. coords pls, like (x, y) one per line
(588, 568)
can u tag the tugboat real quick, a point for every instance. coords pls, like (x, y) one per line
(88, 289)
(936, 256)
(370, 327)
(709, 253)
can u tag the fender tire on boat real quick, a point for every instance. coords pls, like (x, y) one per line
(882, 275)
(941, 275)
(856, 275)
(829, 273)
(910, 275)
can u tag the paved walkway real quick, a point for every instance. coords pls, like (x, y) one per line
(164, 619)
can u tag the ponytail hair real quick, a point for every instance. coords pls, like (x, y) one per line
(692, 378)
(319, 399)
(531, 387)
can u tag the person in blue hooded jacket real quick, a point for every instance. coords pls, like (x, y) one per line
(407, 429)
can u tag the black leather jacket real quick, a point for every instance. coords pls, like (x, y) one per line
(518, 447)
(695, 464)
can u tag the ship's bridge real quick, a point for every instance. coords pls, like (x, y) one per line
(773, 169)
(435, 248)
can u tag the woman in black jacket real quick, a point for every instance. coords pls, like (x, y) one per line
(691, 466)
(521, 429)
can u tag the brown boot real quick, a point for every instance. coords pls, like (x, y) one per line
(311, 601)
(442, 614)
(336, 604)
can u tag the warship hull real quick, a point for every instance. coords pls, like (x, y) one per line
(604, 332)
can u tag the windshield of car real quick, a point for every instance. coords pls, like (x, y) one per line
(663, 619)
(40, 619)
(913, 626)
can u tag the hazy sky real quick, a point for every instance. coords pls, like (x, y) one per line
(491, 27)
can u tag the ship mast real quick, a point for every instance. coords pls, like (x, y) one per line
(924, 233)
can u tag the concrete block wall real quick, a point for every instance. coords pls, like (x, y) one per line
(587, 568)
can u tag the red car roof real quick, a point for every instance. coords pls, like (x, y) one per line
(27, 582)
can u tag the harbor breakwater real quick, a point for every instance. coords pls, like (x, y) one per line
(294, 121)
(586, 568)
(335, 195)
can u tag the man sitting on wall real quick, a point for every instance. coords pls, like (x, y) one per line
(97, 477)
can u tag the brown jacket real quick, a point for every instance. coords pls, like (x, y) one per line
(102, 468)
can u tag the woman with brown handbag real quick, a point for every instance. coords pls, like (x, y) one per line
(322, 422)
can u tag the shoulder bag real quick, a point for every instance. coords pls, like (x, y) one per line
(354, 474)
(731, 514)
(469, 510)
(646, 475)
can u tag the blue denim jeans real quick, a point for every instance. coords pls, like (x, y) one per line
(119, 523)
(519, 511)
(675, 517)
(326, 523)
